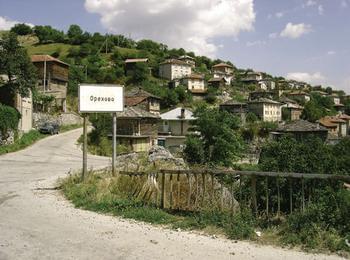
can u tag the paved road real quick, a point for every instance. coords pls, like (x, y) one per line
(41, 224)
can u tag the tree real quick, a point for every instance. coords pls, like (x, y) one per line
(291, 155)
(194, 150)
(48, 34)
(329, 90)
(222, 145)
(140, 73)
(318, 107)
(21, 29)
(16, 65)
(75, 34)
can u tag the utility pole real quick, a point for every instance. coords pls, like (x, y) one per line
(45, 74)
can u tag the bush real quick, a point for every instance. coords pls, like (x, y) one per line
(242, 225)
(9, 118)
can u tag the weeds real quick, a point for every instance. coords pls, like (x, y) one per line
(125, 196)
(26, 140)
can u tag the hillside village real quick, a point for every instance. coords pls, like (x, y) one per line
(201, 145)
(163, 88)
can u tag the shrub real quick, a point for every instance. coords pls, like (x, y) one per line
(242, 225)
(9, 118)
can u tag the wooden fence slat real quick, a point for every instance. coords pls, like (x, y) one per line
(189, 191)
(278, 197)
(203, 188)
(253, 195)
(212, 189)
(267, 195)
(302, 195)
(171, 191)
(196, 196)
(290, 195)
(178, 192)
(162, 195)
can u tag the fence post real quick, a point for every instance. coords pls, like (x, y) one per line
(171, 191)
(178, 191)
(278, 197)
(203, 187)
(162, 195)
(253, 194)
(267, 196)
(290, 195)
(303, 194)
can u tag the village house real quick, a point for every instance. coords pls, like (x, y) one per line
(346, 118)
(266, 84)
(336, 126)
(131, 63)
(194, 82)
(252, 77)
(337, 104)
(174, 69)
(53, 79)
(217, 82)
(293, 84)
(137, 129)
(189, 60)
(261, 94)
(266, 109)
(293, 108)
(223, 70)
(299, 96)
(300, 130)
(144, 100)
(24, 106)
(236, 108)
(319, 92)
(174, 127)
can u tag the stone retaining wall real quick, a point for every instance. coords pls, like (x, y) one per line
(68, 118)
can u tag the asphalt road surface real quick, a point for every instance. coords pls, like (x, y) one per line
(38, 223)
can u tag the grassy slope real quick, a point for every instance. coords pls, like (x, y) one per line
(30, 138)
(33, 47)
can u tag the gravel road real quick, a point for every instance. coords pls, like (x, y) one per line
(38, 223)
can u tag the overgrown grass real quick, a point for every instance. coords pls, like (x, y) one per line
(66, 128)
(30, 138)
(26, 140)
(49, 49)
(107, 194)
(119, 196)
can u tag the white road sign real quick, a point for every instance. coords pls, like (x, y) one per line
(96, 98)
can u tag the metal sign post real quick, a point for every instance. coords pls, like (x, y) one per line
(114, 156)
(84, 148)
(100, 99)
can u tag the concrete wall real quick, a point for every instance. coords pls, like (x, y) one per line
(24, 105)
(174, 71)
(197, 84)
(266, 112)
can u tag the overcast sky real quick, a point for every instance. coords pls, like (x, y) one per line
(301, 39)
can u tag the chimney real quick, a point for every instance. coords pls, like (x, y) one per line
(182, 113)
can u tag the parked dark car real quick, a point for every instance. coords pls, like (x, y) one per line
(49, 128)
